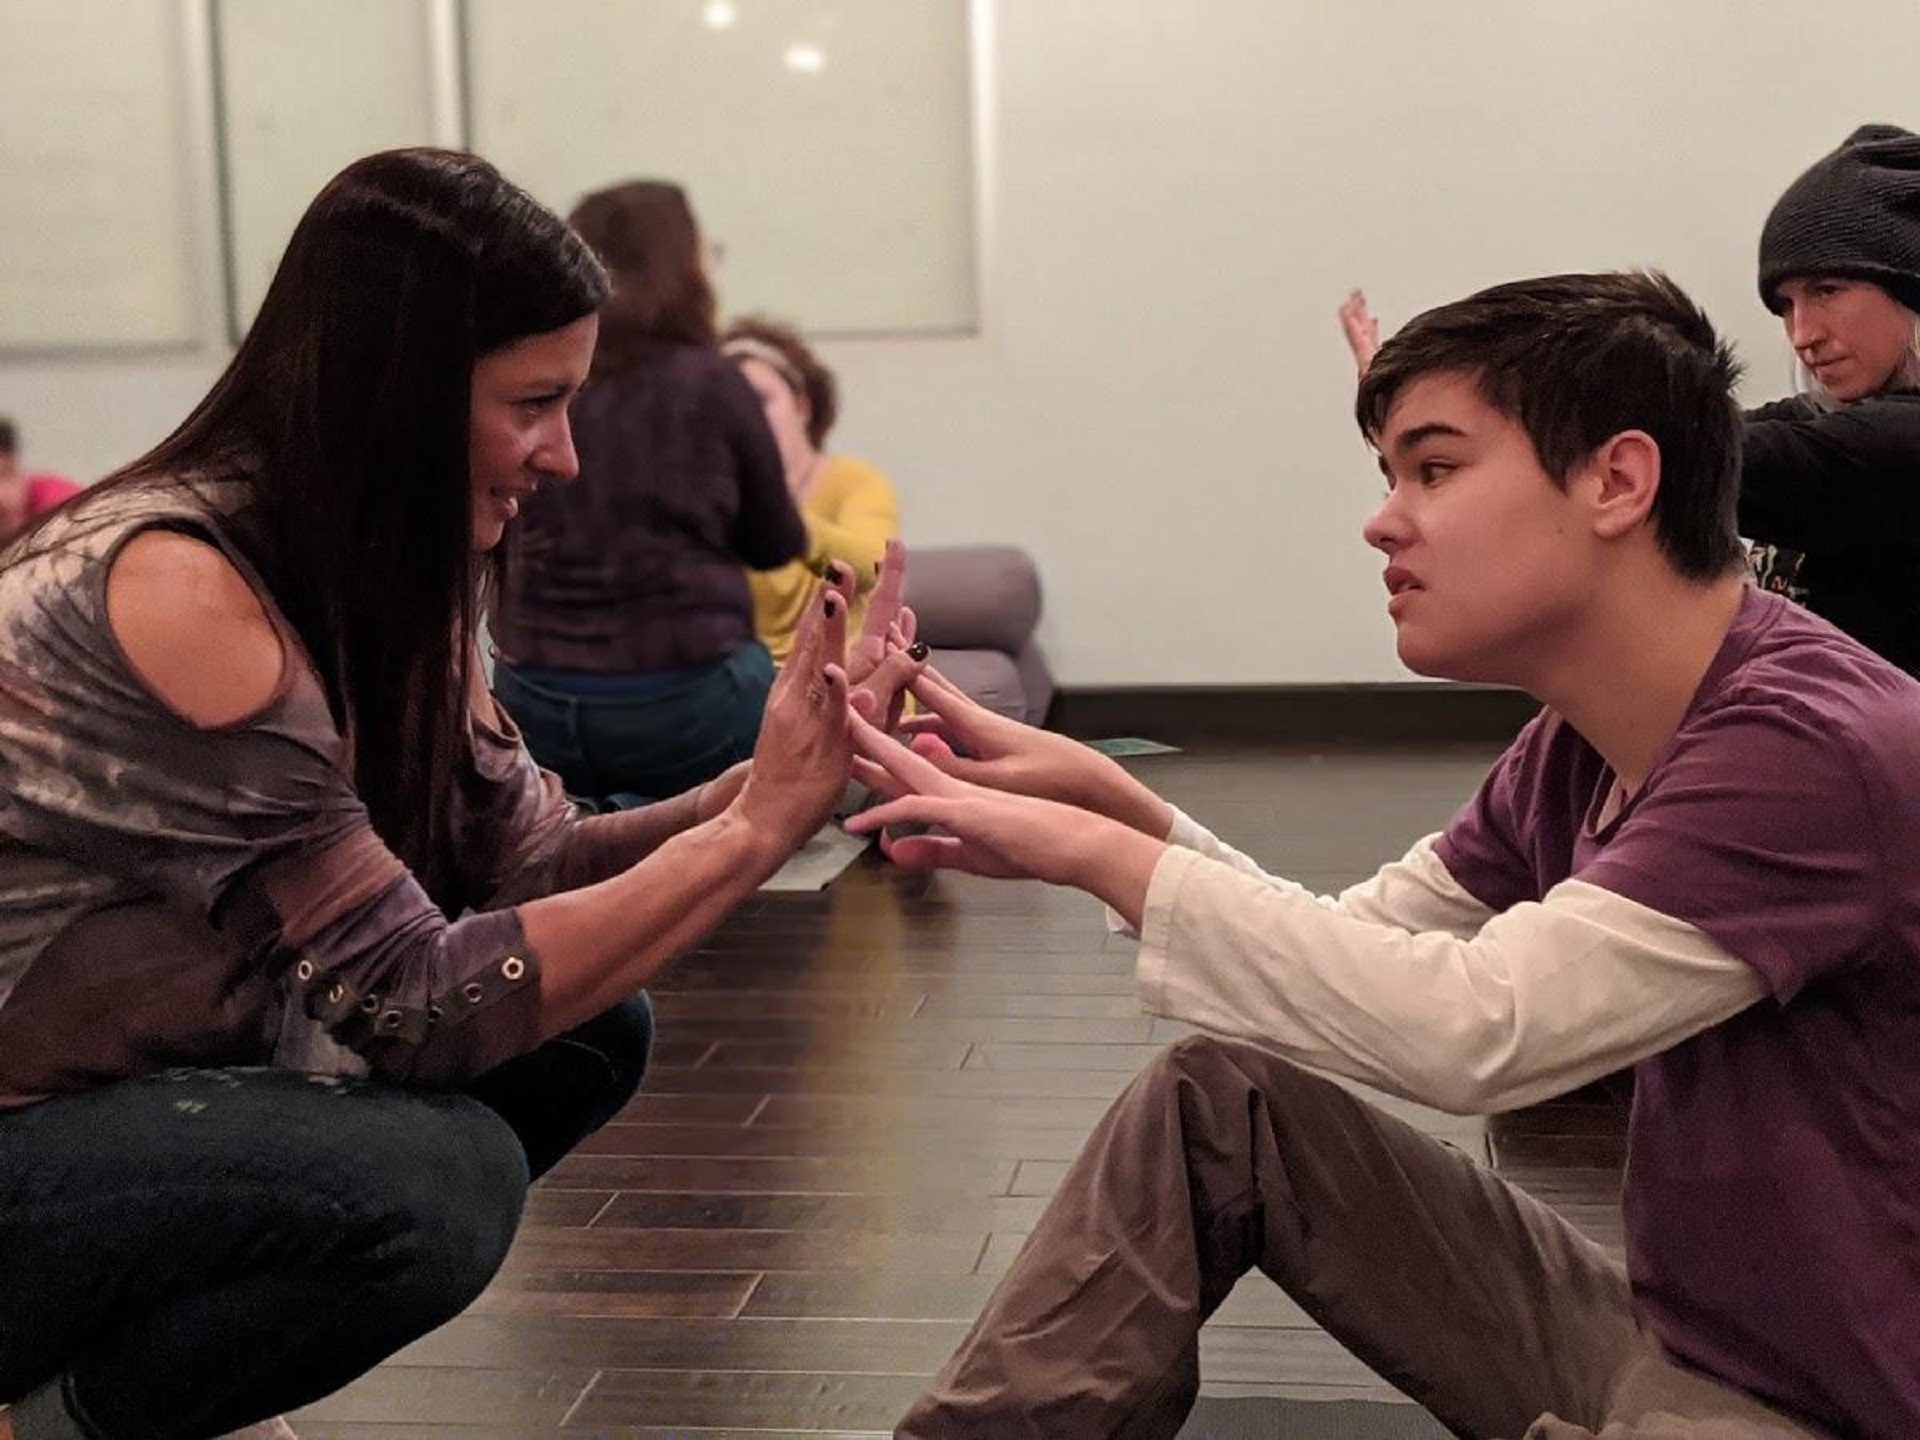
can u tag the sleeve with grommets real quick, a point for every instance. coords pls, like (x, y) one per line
(253, 829)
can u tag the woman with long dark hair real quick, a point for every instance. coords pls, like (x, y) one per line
(625, 631)
(305, 967)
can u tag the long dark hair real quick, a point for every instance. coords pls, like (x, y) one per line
(645, 234)
(348, 406)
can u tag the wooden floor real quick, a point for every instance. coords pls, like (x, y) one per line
(860, 1102)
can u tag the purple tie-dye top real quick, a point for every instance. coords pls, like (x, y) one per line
(172, 895)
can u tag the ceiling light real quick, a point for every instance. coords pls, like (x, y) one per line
(806, 59)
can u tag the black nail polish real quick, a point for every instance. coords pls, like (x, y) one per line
(830, 607)
(917, 650)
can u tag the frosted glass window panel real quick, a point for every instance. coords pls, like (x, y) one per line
(306, 89)
(827, 144)
(97, 249)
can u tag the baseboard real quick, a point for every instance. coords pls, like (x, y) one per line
(1393, 713)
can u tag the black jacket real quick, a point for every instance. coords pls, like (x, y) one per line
(1831, 501)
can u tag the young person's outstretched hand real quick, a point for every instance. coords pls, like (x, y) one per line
(890, 628)
(962, 738)
(801, 760)
(1362, 329)
(995, 832)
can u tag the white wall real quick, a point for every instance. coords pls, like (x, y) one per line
(1180, 192)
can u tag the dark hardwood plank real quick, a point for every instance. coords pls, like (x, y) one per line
(608, 1294)
(820, 1346)
(925, 1113)
(912, 1212)
(926, 1030)
(888, 1053)
(1029, 1055)
(873, 1080)
(651, 1107)
(1012, 1142)
(618, 1247)
(526, 1398)
(597, 1432)
(741, 1401)
(551, 1205)
(800, 1175)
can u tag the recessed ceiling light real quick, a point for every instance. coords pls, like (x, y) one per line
(806, 59)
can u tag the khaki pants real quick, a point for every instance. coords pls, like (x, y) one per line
(1470, 1296)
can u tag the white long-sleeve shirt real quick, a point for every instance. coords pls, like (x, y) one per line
(1408, 983)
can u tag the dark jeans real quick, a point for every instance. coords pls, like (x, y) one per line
(645, 745)
(196, 1250)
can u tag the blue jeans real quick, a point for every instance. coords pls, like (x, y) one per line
(648, 744)
(192, 1251)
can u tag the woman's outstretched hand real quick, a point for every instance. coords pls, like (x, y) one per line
(964, 739)
(1362, 329)
(802, 758)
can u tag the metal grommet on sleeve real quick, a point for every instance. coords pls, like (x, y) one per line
(474, 991)
(336, 992)
(370, 1004)
(513, 967)
(304, 970)
(390, 1020)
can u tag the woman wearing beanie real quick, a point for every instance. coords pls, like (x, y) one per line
(1830, 484)
(1830, 477)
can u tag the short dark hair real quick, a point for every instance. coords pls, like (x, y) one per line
(645, 234)
(1576, 360)
(804, 373)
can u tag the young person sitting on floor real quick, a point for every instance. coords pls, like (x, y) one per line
(1702, 860)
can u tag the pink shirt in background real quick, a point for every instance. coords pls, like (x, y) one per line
(46, 491)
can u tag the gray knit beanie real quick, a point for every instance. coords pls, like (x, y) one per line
(1854, 214)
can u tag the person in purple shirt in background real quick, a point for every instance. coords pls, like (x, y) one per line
(627, 654)
(1701, 860)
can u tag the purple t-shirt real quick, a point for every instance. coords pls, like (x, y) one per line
(1773, 1162)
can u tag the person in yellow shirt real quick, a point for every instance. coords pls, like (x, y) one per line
(850, 507)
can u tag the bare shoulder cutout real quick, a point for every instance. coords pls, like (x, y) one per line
(193, 628)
